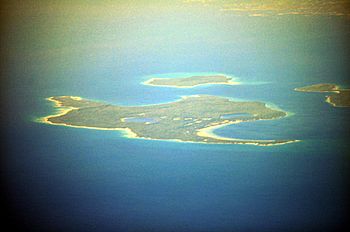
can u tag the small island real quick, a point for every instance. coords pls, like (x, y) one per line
(192, 81)
(339, 98)
(190, 119)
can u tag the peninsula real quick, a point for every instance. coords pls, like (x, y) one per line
(192, 81)
(339, 98)
(190, 119)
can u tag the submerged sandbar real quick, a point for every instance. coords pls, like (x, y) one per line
(190, 119)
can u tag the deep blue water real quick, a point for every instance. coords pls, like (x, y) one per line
(72, 179)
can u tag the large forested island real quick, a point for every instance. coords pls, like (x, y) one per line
(191, 81)
(339, 98)
(190, 119)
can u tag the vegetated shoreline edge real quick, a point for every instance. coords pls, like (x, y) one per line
(128, 133)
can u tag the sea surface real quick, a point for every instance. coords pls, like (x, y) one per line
(70, 179)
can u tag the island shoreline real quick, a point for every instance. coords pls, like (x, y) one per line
(206, 132)
(189, 87)
(336, 90)
(229, 81)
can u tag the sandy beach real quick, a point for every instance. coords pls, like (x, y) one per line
(229, 82)
(64, 110)
(207, 132)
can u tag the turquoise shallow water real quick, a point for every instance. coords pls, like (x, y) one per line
(87, 180)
